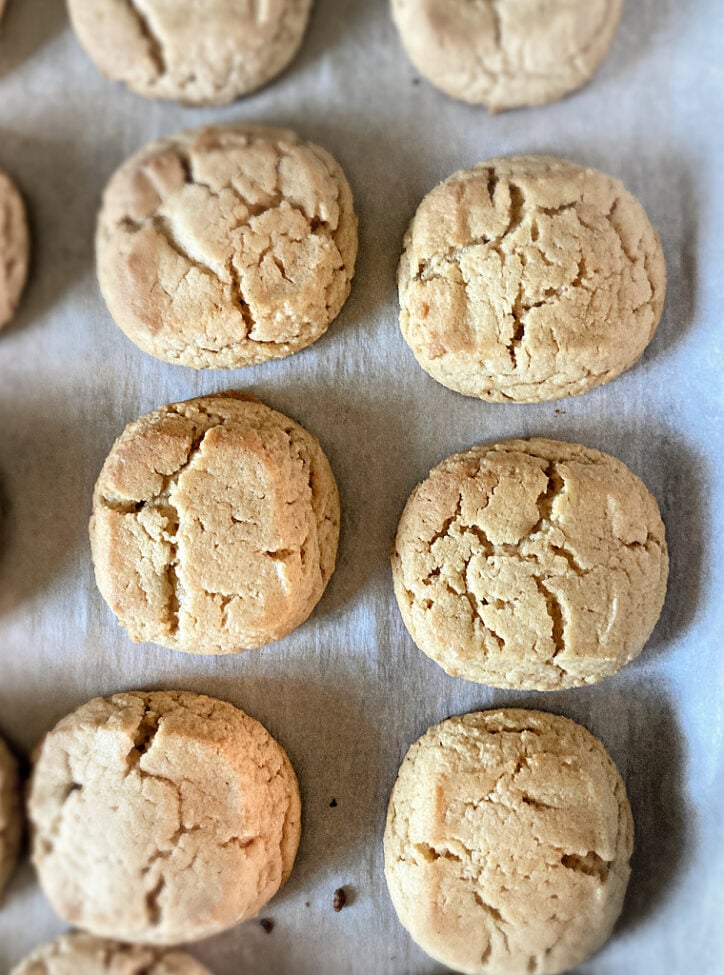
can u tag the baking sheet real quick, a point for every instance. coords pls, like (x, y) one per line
(348, 692)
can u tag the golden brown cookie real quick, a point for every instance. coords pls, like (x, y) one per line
(227, 246)
(162, 817)
(529, 278)
(82, 954)
(11, 817)
(14, 248)
(508, 842)
(531, 564)
(215, 525)
(197, 53)
(507, 53)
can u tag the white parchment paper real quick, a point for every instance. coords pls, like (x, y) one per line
(348, 692)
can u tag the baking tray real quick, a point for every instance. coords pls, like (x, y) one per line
(348, 692)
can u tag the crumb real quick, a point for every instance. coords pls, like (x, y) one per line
(267, 924)
(559, 412)
(333, 804)
(307, 903)
(340, 899)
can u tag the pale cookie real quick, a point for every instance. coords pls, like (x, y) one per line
(11, 818)
(82, 954)
(531, 564)
(507, 53)
(528, 279)
(227, 246)
(215, 525)
(508, 842)
(162, 817)
(14, 248)
(197, 53)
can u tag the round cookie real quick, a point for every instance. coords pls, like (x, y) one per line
(507, 53)
(197, 53)
(215, 525)
(82, 954)
(531, 564)
(11, 817)
(14, 248)
(508, 842)
(162, 817)
(529, 278)
(227, 246)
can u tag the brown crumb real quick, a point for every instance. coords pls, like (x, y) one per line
(560, 412)
(267, 924)
(340, 899)
(333, 804)
(307, 903)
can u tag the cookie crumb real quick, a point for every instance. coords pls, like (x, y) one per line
(267, 924)
(340, 899)
(333, 804)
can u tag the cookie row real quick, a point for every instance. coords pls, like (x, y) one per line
(500, 53)
(523, 279)
(167, 817)
(528, 564)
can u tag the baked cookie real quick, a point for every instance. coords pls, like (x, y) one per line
(215, 525)
(197, 53)
(507, 53)
(508, 842)
(11, 817)
(528, 279)
(162, 817)
(531, 564)
(82, 954)
(227, 246)
(14, 247)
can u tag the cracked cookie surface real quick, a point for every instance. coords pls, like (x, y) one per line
(507, 53)
(215, 525)
(197, 53)
(162, 817)
(529, 278)
(508, 842)
(531, 564)
(11, 816)
(83, 954)
(227, 246)
(14, 248)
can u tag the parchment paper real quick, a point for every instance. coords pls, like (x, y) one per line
(348, 692)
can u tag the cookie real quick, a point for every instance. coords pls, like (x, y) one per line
(528, 279)
(227, 246)
(531, 564)
(14, 248)
(197, 53)
(162, 817)
(508, 842)
(82, 954)
(507, 53)
(215, 525)
(11, 818)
